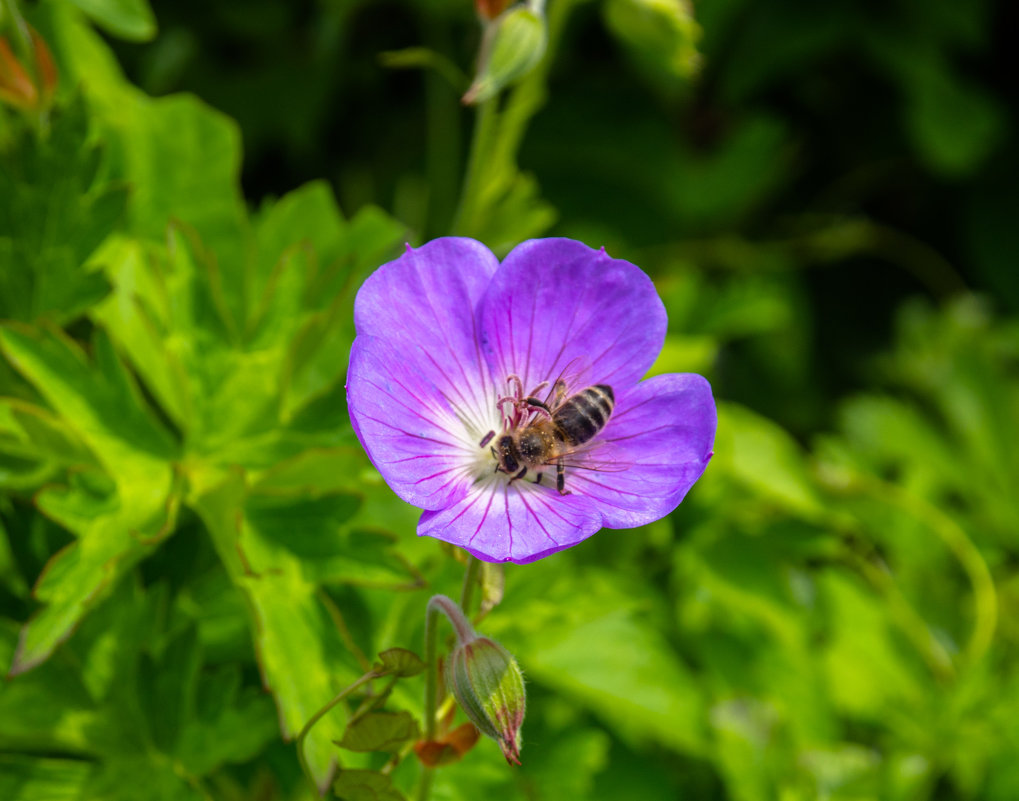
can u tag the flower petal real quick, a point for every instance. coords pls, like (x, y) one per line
(520, 522)
(423, 304)
(554, 301)
(410, 431)
(662, 432)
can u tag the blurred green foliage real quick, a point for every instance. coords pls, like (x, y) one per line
(195, 555)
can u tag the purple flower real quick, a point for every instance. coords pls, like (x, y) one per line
(505, 399)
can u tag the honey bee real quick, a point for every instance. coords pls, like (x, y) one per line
(553, 433)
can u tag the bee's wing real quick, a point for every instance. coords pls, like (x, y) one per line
(590, 456)
(575, 375)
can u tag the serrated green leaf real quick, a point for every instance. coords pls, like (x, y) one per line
(53, 216)
(365, 785)
(304, 660)
(37, 433)
(98, 400)
(101, 403)
(313, 534)
(401, 662)
(380, 731)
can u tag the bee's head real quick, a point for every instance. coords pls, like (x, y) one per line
(506, 453)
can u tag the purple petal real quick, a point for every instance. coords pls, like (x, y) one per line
(556, 302)
(662, 431)
(423, 304)
(522, 522)
(412, 434)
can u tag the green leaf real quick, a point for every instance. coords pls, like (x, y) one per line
(237, 360)
(380, 731)
(54, 213)
(400, 662)
(868, 678)
(10, 576)
(365, 785)
(146, 777)
(102, 404)
(315, 534)
(98, 400)
(585, 751)
(237, 730)
(36, 433)
(661, 35)
(758, 453)
(584, 645)
(303, 658)
(84, 700)
(128, 19)
(25, 778)
(166, 688)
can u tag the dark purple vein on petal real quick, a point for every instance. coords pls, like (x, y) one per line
(509, 517)
(442, 331)
(461, 443)
(484, 517)
(537, 519)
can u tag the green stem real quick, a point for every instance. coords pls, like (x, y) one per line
(938, 660)
(464, 632)
(985, 597)
(425, 785)
(485, 126)
(318, 716)
(470, 580)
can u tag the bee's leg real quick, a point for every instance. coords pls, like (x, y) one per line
(486, 439)
(536, 405)
(538, 479)
(521, 474)
(560, 477)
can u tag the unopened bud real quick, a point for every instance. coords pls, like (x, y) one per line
(490, 9)
(29, 85)
(514, 44)
(489, 686)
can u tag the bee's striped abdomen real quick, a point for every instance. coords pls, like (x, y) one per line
(585, 414)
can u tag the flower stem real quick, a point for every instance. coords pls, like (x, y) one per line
(470, 579)
(371, 674)
(464, 224)
(464, 632)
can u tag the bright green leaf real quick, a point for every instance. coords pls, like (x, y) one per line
(128, 19)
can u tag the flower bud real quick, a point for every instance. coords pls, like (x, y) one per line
(489, 686)
(27, 85)
(490, 9)
(514, 44)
